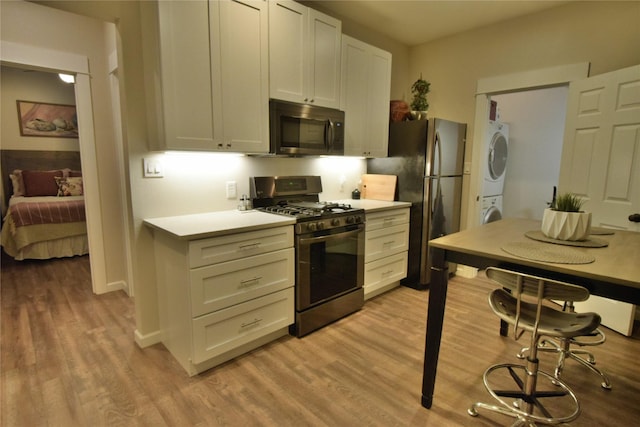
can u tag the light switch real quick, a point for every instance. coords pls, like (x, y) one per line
(232, 190)
(152, 168)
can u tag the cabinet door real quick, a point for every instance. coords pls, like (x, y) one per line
(222, 285)
(383, 272)
(304, 54)
(385, 242)
(191, 107)
(365, 96)
(287, 46)
(386, 219)
(225, 330)
(244, 63)
(325, 38)
(378, 104)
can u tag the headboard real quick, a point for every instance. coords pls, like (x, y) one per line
(34, 160)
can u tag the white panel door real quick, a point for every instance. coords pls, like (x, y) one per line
(601, 162)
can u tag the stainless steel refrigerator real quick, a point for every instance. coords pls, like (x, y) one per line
(428, 159)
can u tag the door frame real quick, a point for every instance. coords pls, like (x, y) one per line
(516, 82)
(36, 58)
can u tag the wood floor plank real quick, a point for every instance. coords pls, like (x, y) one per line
(67, 357)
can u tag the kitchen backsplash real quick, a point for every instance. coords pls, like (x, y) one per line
(197, 182)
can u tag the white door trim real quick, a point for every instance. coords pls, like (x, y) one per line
(26, 56)
(546, 77)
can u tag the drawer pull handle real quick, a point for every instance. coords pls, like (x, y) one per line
(254, 322)
(388, 220)
(389, 243)
(249, 246)
(387, 273)
(252, 281)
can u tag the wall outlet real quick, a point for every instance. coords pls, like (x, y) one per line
(232, 190)
(152, 168)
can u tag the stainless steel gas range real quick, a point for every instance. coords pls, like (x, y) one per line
(329, 244)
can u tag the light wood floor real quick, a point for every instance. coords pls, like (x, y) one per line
(68, 359)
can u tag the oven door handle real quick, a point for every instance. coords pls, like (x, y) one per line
(311, 240)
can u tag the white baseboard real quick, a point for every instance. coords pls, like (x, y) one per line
(147, 340)
(466, 271)
(116, 286)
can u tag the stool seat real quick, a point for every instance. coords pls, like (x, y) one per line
(553, 323)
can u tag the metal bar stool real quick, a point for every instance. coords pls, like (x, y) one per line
(539, 396)
(563, 346)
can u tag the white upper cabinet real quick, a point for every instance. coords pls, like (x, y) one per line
(213, 76)
(365, 97)
(304, 54)
(244, 53)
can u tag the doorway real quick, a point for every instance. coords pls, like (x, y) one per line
(499, 85)
(29, 57)
(536, 121)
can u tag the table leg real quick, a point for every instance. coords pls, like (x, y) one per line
(435, 316)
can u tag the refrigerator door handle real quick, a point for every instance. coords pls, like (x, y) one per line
(438, 149)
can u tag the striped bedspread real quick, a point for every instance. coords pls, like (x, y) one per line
(55, 212)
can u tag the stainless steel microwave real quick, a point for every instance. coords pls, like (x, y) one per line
(301, 129)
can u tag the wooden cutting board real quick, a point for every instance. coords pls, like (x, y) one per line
(379, 187)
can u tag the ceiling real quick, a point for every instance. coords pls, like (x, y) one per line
(420, 21)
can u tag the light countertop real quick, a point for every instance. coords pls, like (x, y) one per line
(212, 224)
(371, 205)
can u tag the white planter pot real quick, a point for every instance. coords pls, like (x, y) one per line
(566, 225)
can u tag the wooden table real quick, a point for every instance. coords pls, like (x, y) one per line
(614, 274)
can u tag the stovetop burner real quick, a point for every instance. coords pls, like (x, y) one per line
(298, 196)
(302, 210)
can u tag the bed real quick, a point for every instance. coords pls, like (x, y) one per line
(44, 212)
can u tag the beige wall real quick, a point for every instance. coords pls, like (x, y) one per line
(606, 34)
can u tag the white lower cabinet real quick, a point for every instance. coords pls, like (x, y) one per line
(223, 296)
(386, 246)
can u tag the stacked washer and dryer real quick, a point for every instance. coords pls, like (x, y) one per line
(496, 150)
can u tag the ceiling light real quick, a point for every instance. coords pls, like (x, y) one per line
(67, 78)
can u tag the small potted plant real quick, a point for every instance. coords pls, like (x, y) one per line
(419, 105)
(565, 220)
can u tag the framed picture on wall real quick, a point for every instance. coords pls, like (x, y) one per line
(49, 120)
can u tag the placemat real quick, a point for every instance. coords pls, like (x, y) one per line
(601, 231)
(591, 242)
(547, 253)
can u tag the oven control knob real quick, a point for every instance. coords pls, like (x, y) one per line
(311, 226)
(320, 225)
(335, 222)
(351, 219)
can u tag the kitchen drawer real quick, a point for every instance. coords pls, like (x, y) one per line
(379, 220)
(222, 285)
(385, 242)
(241, 245)
(224, 330)
(385, 271)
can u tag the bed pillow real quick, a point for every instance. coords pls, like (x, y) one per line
(17, 183)
(40, 183)
(71, 186)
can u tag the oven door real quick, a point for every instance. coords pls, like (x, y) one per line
(329, 264)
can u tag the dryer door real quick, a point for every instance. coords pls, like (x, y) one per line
(497, 155)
